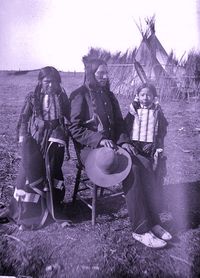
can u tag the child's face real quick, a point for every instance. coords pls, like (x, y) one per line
(145, 97)
(50, 84)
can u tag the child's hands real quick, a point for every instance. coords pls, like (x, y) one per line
(67, 154)
(147, 148)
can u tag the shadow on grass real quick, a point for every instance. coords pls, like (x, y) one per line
(182, 200)
(107, 210)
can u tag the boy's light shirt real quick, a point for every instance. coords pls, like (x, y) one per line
(145, 107)
(144, 125)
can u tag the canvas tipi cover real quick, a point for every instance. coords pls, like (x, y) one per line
(150, 62)
(152, 56)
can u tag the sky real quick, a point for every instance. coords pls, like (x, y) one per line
(37, 33)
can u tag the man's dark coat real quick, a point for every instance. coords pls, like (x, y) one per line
(95, 115)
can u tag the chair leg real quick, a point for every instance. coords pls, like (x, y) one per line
(77, 182)
(101, 192)
(94, 201)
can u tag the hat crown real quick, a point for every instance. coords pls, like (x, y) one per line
(106, 166)
(107, 160)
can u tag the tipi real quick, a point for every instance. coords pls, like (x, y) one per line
(151, 54)
(149, 62)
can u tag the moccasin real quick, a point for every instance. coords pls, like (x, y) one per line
(149, 240)
(161, 233)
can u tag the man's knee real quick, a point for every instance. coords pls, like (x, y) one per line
(135, 168)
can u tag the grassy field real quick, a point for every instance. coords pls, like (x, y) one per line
(107, 250)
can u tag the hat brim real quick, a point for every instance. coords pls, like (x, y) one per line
(104, 179)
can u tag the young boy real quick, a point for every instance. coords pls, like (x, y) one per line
(147, 128)
(146, 123)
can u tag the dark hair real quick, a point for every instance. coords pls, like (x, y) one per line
(150, 86)
(91, 66)
(92, 63)
(49, 71)
(44, 72)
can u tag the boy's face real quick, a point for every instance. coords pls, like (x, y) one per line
(146, 97)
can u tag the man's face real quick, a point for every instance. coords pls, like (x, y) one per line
(146, 97)
(101, 75)
(50, 85)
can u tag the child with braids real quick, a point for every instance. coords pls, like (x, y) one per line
(43, 136)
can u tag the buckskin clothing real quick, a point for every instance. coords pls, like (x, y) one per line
(96, 115)
(40, 184)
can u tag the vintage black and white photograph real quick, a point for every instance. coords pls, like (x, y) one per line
(99, 139)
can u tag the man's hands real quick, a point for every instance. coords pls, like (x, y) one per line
(108, 143)
(129, 148)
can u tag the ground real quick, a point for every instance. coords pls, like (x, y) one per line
(106, 250)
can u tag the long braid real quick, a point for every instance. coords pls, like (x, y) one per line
(37, 100)
(36, 103)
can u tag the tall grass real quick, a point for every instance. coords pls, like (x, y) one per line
(179, 81)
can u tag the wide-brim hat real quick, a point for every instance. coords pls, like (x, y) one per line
(106, 166)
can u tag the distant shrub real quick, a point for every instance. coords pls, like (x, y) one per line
(19, 72)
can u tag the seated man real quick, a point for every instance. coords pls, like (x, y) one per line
(96, 121)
